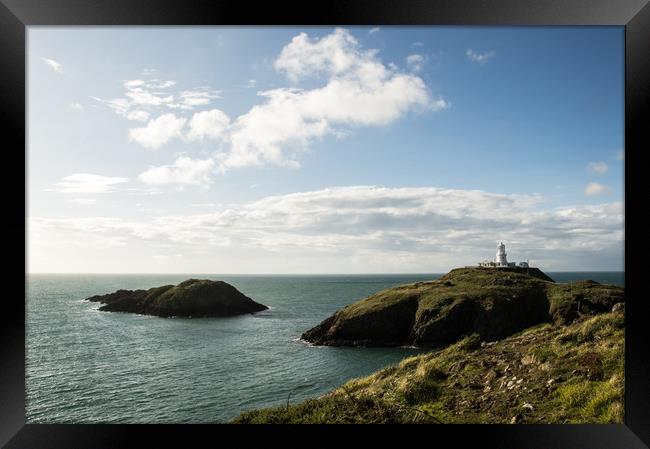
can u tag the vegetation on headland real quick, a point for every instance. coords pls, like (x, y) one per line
(494, 303)
(549, 373)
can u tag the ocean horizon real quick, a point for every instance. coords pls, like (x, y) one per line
(562, 273)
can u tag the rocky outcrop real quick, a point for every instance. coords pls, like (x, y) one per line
(191, 298)
(493, 303)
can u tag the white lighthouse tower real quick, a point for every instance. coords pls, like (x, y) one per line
(501, 259)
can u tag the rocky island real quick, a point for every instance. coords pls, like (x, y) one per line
(191, 298)
(511, 346)
(490, 302)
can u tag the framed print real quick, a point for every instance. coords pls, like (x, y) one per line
(350, 217)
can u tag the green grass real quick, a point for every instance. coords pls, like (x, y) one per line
(564, 374)
(566, 301)
(440, 312)
(599, 402)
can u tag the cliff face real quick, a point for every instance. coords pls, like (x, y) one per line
(493, 303)
(191, 298)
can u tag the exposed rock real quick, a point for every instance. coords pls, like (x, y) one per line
(619, 306)
(491, 303)
(191, 298)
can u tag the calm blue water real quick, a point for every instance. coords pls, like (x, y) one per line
(89, 366)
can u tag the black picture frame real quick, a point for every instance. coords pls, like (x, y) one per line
(634, 15)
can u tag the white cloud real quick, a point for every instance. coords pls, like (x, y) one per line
(122, 106)
(478, 57)
(418, 44)
(208, 124)
(597, 167)
(158, 84)
(594, 188)
(76, 107)
(184, 172)
(373, 30)
(440, 104)
(354, 89)
(337, 53)
(137, 115)
(190, 99)
(88, 183)
(145, 97)
(620, 155)
(250, 84)
(158, 131)
(58, 68)
(359, 90)
(142, 97)
(415, 62)
(366, 228)
(134, 83)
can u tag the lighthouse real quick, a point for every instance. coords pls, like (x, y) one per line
(501, 259)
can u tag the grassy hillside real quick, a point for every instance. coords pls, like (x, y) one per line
(546, 374)
(493, 303)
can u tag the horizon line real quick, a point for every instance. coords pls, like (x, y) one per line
(294, 274)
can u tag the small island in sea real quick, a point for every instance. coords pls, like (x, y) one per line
(509, 345)
(191, 298)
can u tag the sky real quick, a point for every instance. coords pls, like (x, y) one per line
(308, 150)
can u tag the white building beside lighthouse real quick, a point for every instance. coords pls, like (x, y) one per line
(501, 260)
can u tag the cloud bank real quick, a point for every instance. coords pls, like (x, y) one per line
(356, 229)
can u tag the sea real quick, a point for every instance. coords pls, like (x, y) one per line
(86, 366)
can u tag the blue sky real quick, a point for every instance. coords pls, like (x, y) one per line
(323, 150)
